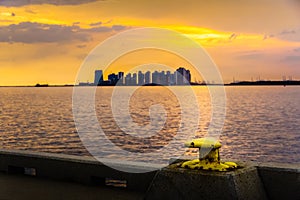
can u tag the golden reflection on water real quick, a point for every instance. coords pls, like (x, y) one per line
(139, 105)
(262, 123)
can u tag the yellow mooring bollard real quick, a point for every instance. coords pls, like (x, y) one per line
(211, 161)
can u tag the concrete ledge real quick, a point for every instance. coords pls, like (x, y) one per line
(253, 181)
(14, 187)
(178, 183)
(79, 169)
(281, 181)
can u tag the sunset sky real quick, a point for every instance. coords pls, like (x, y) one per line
(47, 41)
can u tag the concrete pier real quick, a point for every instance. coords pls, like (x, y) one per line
(194, 184)
(32, 175)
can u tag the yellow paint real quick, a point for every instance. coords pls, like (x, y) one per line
(211, 161)
(204, 143)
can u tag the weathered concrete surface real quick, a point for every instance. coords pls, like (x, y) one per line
(178, 183)
(56, 176)
(79, 169)
(14, 187)
(281, 181)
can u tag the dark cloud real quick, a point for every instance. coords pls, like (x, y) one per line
(100, 29)
(107, 29)
(81, 46)
(268, 36)
(108, 22)
(290, 35)
(76, 23)
(28, 32)
(30, 11)
(297, 49)
(96, 24)
(17, 3)
(251, 55)
(233, 36)
(292, 59)
(118, 27)
(286, 32)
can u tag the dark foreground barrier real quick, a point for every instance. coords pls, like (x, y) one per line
(55, 176)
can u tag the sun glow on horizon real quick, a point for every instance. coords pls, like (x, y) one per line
(48, 43)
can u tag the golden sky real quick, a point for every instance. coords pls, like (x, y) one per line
(46, 41)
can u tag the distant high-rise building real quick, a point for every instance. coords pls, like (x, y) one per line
(163, 78)
(121, 78)
(168, 78)
(188, 77)
(183, 76)
(141, 78)
(120, 75)
(155, 77)
(147, 77)
(173, 78)
(179, 77)
(128, 79)
(113, 78)
(134, 79)
(98, 77)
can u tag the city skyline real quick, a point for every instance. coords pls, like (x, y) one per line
(180, 76)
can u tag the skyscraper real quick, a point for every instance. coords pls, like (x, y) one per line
(134, 79)
(147, 77)
(155, 77)
(120, 75)
(183, 76)
(168, 78)
(128, 79)
(98, 77)
(141, 78)
(173, 78)
(113, 78)
(188, 77)
(121, 78)
(163, 78)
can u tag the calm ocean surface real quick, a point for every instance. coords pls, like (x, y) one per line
(262, 123)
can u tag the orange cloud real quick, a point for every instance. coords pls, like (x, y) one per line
(48, 42)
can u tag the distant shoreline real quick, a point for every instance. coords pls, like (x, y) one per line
(56, 86)
(262, 83)
(242, 83)
(67, 85)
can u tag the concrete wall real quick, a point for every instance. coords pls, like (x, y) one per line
(72, 168)
(173, 182)
(253, 181)
(281, 181)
